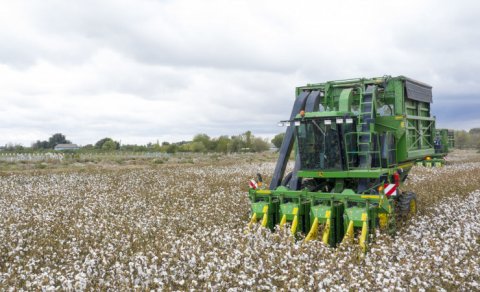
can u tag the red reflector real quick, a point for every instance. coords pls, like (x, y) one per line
(253, 184)
(390, 190)
(396, 179)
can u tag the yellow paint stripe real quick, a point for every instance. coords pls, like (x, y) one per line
(253, 220)
(265, 216)
(326, 232)
(364, 217)
(375, 197)
(264, 192)
(293, 230)
(283, 221)
(405, 165)
(363, 237)
(313, 231)
(349, 233)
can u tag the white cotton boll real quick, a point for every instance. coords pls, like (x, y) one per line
(198, 234)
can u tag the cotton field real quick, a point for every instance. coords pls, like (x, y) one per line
(182, 227)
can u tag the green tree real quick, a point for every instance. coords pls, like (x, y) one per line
(88, 147)
(462, 139)
(236, 144)
(474, 131)
(156, 148)
(197, 147)
(56, 139)
(100, 143)
(204, 139)
(259, 144)
(278, 139)
(222, 144)
(40, 145)
(184, 147)
(247, 138)
(109, 145)
(475, 137)
(172, 148)
(14, 147)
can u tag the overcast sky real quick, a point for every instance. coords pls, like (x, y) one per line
(142, 71)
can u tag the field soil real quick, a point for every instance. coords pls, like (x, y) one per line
(180, 224)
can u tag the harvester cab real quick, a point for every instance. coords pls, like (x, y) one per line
(354, 143)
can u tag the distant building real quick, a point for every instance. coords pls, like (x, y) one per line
(66, 147)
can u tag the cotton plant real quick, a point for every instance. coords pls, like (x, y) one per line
(182, 227)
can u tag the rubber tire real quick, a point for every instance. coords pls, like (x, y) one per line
(404, 203)
(286, 179)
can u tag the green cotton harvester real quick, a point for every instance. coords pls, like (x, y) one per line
(354, 144)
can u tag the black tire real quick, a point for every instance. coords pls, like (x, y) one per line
(286, 180)
(407, 204)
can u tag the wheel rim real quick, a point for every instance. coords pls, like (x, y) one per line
(413, 207)
(382, 220)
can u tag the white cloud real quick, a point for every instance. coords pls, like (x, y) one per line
(146, 70)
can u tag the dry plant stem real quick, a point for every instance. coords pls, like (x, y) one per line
(180, 227)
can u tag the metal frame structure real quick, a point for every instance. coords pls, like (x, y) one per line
(377, 128)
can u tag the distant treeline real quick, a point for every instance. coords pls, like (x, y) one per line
(245, 142)
(200, 143)
(468, 140)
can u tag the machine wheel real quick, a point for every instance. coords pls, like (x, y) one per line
(286, 179)
(407, 204)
